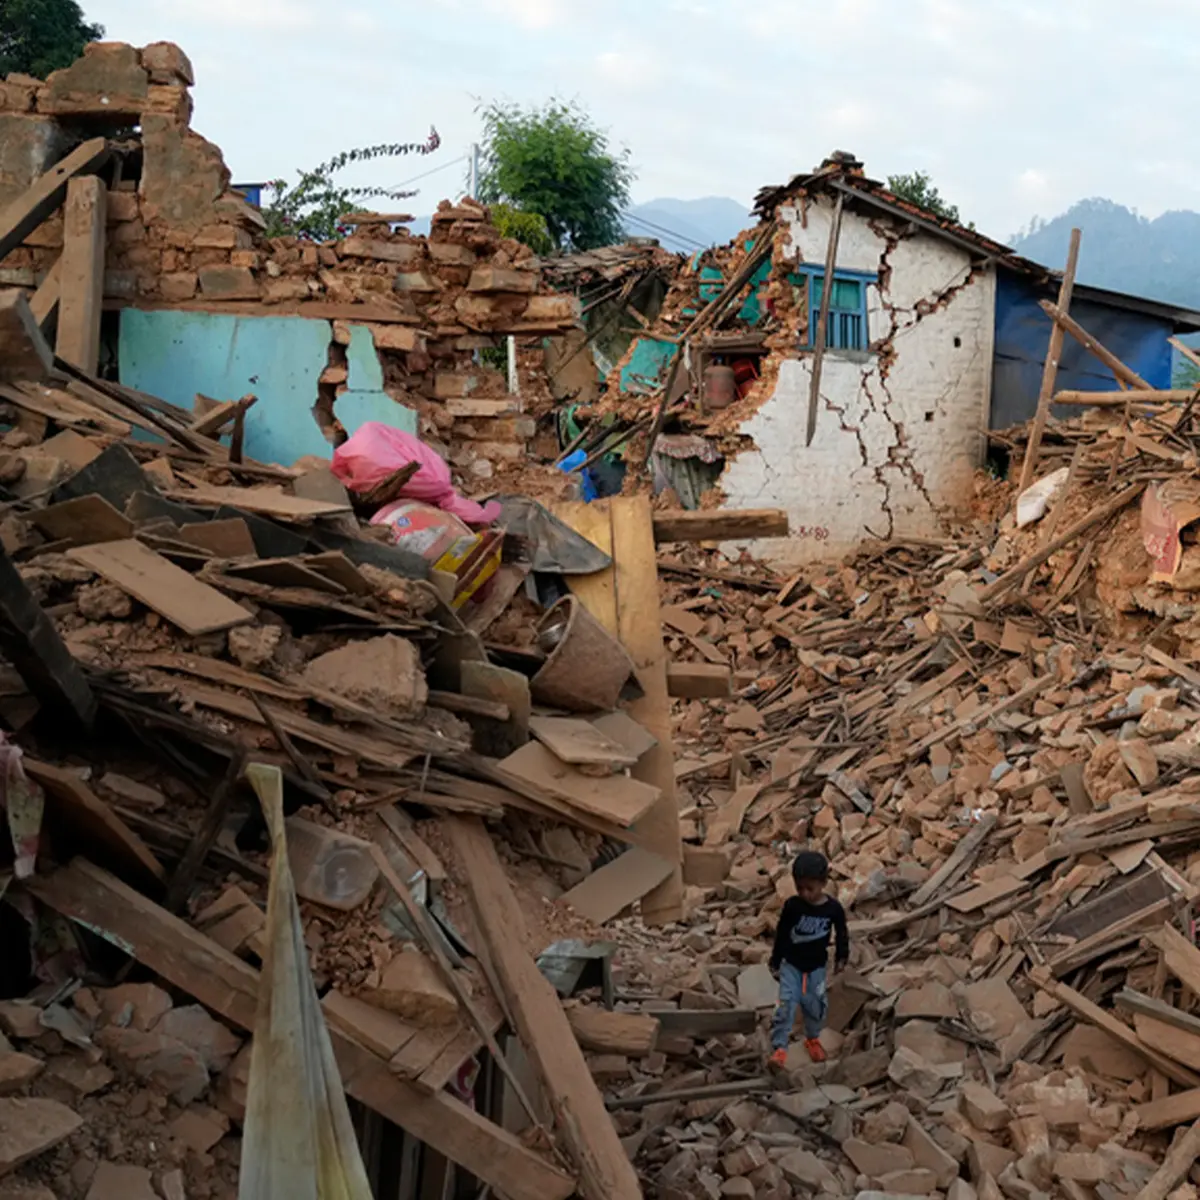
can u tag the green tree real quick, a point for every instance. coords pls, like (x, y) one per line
(40, 36)
(527, 227)
(919, 189)
(313, 206)
(555, 162)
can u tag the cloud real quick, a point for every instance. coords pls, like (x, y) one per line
(279, 15)
(532, 14)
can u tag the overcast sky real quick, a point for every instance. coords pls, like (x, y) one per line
(1016, 107)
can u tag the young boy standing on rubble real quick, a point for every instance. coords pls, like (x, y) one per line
(801, 955)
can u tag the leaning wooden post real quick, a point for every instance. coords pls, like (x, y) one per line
(821, 336)
(1050, 371)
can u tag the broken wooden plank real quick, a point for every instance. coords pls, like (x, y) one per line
(85, 823)
(226, 539)
(1180, 1159)
(160, 585)
(580, 743)
(1081, 1006)
(719, 524)
(224, 983)
(270, 502)
(621, 728)
(605, 1172)
(617, 885)
(24, 354)
(615, 798)
(31, 643)
(959, 861)
(25, 213)
(699, 681)
(84, 521)
(705, 1022)
(1169, 1111)
(81, 273)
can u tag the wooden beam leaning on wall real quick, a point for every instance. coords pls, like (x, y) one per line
(1123, 374)
(605, 1172)
(1050, 369)
(224, 983)
(44, 301)
(24, 214)
(81, 273)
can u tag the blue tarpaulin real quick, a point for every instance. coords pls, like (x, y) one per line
(1023, 335)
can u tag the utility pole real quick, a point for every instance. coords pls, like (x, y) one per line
(473, 171)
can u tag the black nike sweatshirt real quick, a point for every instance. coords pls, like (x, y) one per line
(803, 933)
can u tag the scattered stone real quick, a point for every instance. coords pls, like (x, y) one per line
(806, 1170)
(135, 1005)
(31, 1127)
(114, 1181)
(411, 988)
(982, 1107)
(17, 1071)
(908, 1070)
(214, 1043)
(876, 1160)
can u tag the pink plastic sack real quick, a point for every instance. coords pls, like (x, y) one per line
(375, 450)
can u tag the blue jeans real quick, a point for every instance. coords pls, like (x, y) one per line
(805, 992)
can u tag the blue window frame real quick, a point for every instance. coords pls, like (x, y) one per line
(847, 328)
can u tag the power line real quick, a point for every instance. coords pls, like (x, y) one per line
(395, 187)
(679, 237)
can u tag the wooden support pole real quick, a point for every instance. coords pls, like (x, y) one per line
(1122, 399)
(81, 273)
(44, 302)
(224, 983)
(1123, 373)
(822, 332)
(24, 214)
(1186, 351)
(1050, 370)
(605, 1172)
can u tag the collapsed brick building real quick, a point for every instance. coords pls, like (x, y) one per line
(385, 324)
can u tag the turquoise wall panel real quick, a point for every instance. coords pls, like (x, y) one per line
(174, 355)
(647, 366)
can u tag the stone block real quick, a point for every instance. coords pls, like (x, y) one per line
(192, 1025)
(31, 1127)
(221, 237)
(200, 1128)
(805, 1170)
(136, 1005)
(746, 1158)
(407, 253)
(982, 1107)
(246, 258)
(183, 175)
(384, 673)
(228, 283)
(411, 988)
(17, 1071)
(161, 1061)
(167, 63)
(18, 93)
(928, 1154)
(118, 1181)
(285, 291)
(409, 281)
(933, 1002)
(107, 81)
(453, 384)
(451, 254)
(503, 279)
(918, 1075)
(876, 1160)
(171, 101)
(403, 338)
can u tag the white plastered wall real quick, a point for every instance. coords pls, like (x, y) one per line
(891, 453)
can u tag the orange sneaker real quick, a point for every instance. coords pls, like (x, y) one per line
(778, 1058)
(815, 1050)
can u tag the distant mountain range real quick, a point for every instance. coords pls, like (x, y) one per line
(1159, 259)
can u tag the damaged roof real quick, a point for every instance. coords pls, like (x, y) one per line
(843, 173)
(606, 263)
